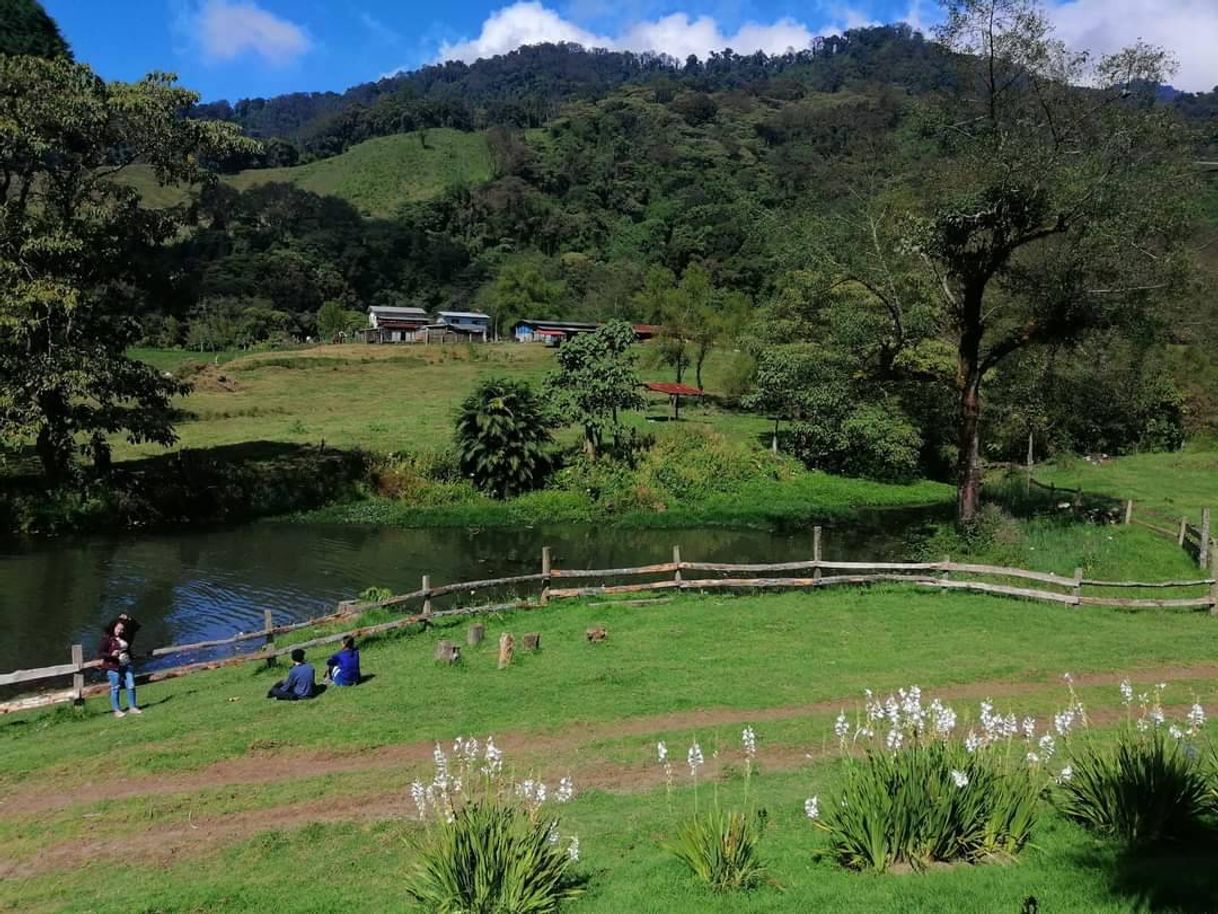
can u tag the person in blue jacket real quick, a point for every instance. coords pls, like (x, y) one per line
(343, 667)
(300, 682)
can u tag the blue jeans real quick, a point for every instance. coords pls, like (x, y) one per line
(127, 678)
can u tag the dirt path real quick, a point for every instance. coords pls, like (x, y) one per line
(565, 751)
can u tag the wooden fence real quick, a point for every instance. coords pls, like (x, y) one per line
(673, 575)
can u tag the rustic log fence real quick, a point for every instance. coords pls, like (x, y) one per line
(677, 574)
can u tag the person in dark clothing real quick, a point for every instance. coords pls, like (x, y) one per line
(343, 667)
(299, 684)
(115, 655)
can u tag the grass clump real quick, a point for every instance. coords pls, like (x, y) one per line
(721, 849)
(1148, 788)
(490, 846)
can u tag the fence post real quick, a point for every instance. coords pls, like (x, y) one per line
(268, 624)
(1214, 586)
(1203, 555)
(427, 596)
(676, 560)
(1128, 512)
(1028, 479)
(545, 575)
(1183, 531)
(78, 678)
(816, 551)
(945, 575)
(1078, 586)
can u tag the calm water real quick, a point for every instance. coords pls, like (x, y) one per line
(196, 586)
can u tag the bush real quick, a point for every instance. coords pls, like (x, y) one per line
(919, 796)
(503, 431)
(1150, 787)
(489, 848)
(494, 857)
(721, 849)
(931, 802)
(871, 442)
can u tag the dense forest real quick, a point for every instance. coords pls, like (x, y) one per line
(743, 202)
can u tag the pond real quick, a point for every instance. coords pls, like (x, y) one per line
(195, 586)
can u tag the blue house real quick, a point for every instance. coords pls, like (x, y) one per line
(467, 324)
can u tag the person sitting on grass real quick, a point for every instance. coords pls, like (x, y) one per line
(299, 683)
(343, 668)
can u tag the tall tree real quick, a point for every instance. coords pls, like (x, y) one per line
(1053, 209)
(596, 381)
(26, 29)
(76, 249)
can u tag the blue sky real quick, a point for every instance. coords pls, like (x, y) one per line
(237, 48)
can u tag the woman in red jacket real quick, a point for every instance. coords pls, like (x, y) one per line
(115, 654)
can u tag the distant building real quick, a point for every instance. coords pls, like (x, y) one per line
(549, 332)
(464, 325)
(395, 325)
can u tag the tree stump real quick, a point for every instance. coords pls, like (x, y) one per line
(599, 633)
(476, 633)
(447, 652)
(506, 645)
(531, 641)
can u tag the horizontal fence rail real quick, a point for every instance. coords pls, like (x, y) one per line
(816, 573)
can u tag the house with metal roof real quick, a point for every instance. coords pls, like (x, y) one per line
(396, 325)
(468, 325)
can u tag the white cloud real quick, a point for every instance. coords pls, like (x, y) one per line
(225, 30)
(516, 25)
(679, 34)
(1187, 28)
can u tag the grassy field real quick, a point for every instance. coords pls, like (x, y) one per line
(218, 800)
(376, 176)
(1168, 485)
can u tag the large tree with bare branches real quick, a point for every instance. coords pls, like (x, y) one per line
(1051, 200)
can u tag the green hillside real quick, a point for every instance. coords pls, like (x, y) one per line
(376, 176)
(379, 175)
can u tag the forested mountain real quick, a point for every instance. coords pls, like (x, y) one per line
(25, 28)
(781, 207)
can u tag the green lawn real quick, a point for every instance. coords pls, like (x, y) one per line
(223, 801)
(377, 176)
(1165, 485)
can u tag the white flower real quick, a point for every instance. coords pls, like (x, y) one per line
(959, 778)
(1196, 718)
(1155, 715)
(565, 791)
(1065, 775)
(661, 751)
(1033, 758)
(1063, 721)
(1142, 725)
(418, 793)
(552, 834)
(492, 756)
(749, 739)
(943, 719)
(1047, 747)
(1029, 727)
(695, 759)
(573, 848)
(841, 727)
(1069, 677)
(1126, 691)
(894, 739)
(972, 742)
(812, 807)
(1175, 732)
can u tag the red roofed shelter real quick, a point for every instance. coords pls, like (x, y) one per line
(675, 393)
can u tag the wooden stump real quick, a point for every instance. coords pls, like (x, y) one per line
(507, 645)
(447, 652)
(599, 633)
(531, 641)
(476, 633)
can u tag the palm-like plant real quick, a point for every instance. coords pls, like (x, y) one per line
(503, 431)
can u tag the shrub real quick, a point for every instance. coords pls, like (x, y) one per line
(870, 441)
(489, 848)
(503, 431)
(721, 849)
(921, 796)
(494, 857)
(1149, 787)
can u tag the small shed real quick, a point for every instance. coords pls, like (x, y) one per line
(675, 392)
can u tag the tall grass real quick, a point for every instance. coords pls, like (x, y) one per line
(721, 849)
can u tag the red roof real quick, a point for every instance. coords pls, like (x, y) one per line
(668, 387)
(653, 329)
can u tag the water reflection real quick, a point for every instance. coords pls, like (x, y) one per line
(211, 584)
